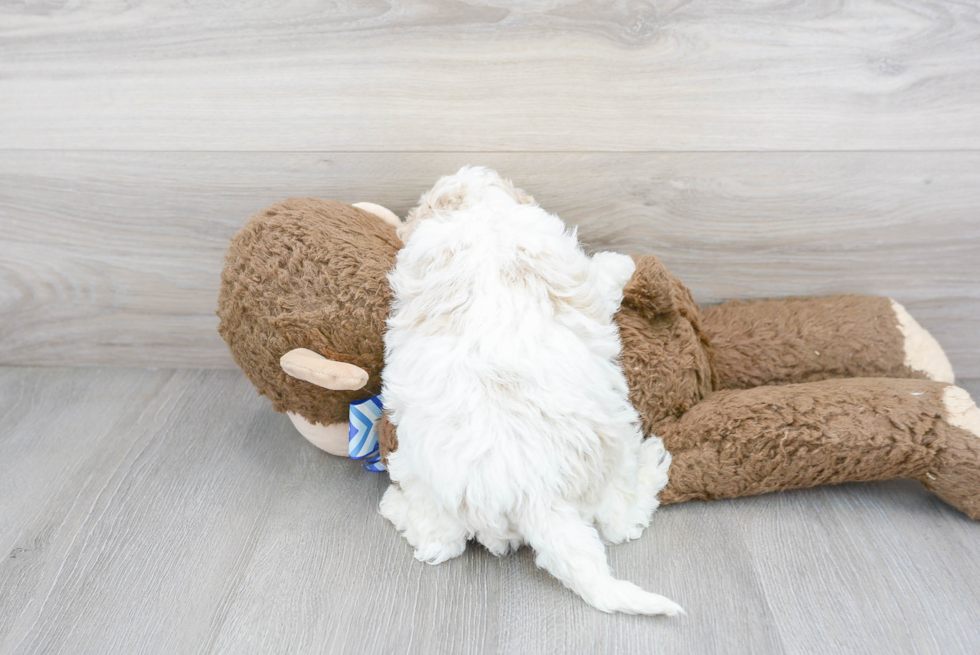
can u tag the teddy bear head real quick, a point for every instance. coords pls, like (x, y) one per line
(303, 303)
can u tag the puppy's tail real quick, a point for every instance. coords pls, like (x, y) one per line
(570, 549)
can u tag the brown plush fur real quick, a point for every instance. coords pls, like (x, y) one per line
(748, 397)
(308, 273)
(819, 339)
(801, 435)
(666, 354)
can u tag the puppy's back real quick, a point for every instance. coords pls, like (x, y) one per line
(499, 335)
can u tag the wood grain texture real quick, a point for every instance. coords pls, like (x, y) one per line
(172, 511)
(114, 258)
(547, 75)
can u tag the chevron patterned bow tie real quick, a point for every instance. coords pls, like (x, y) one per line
(362, 442)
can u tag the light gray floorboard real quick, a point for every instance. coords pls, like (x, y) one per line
(161, 511)
(539, 75)
(135, 541)
(114, 258)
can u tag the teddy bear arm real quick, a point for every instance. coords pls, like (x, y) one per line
(752, 441)
(387, 437)
(809, 339)
(650, 291)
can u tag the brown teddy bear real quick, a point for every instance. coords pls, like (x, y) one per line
(748, 397)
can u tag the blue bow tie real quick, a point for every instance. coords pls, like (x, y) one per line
(362, 442)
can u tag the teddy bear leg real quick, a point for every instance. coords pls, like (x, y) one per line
(956, 476)
(809, 339)
(752, 441)
(922, 352)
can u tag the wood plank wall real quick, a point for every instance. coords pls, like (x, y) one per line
(761, 149)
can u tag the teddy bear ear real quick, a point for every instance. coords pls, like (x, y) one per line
(383, 213)
(304, 364)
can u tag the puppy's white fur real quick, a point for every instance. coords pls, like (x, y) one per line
(514, 422)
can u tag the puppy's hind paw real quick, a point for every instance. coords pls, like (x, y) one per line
(499, 547)
(622, 530)
(439, 552)
(394, 507)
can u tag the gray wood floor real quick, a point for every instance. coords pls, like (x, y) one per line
(171, 511)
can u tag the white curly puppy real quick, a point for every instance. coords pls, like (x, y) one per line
(501, 375)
